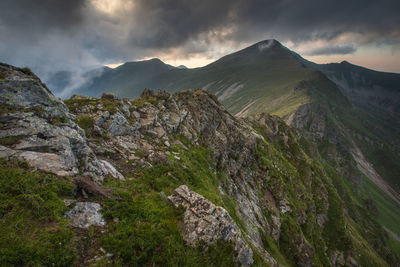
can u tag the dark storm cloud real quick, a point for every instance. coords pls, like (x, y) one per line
(172, 22)
(51, 34)
(39, 16)
(333, 50)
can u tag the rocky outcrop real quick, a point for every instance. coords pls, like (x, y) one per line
(85, 214)
(203, 221)
(155, 120)
(37, 127)
(338, 259)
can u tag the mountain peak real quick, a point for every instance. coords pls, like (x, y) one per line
(267, 44)
(345, 62)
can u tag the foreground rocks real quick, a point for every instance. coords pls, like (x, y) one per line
(37, 127)
(203, 221)
(85, 214)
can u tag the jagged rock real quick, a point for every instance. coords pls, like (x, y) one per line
(50, 162)
(276, 227)
(147, 93)
(203, 221)
(304, 253)
(284, 206)
(108, 95)
(119, 125)
(85, 214)
(111, 170)
(350, 261)
(337, 258)
(42, 130)
(136, 114)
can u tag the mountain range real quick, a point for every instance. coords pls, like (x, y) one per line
(351, 111)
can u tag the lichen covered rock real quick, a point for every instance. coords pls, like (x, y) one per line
(204, 221)
(37, 127)
(85, 214)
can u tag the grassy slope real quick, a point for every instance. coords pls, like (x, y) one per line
(148, 230)
(33, 231)
(266, 75)
(387, 208)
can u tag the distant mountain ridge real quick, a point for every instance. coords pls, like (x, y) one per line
(350, 111)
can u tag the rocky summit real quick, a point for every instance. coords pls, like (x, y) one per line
(169, 180)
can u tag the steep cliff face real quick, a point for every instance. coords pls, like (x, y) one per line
(241, 191)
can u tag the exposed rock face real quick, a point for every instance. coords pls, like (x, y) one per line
(85, 214)
(311, 117)
(338, 259)
(155, 119)
(37, 127)
(203, 221)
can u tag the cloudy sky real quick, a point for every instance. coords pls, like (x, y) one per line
(49, 35)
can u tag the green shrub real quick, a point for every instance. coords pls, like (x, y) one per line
(26, 70)
(86, 122)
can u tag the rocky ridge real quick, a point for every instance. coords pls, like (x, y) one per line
(140, 134)
(274, 199)
(155, 120)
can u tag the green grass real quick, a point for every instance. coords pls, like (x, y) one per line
(271, 246)
(389, 211)
(394, 245)
(86, 122)
(32, 229)
(149, 231)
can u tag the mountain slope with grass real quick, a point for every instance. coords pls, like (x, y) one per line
(352, 113)
(170, 179)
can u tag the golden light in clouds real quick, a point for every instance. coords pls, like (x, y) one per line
(193, 62)
(112, 7)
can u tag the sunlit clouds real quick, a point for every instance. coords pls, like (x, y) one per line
(85, 34)
(112, 7)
